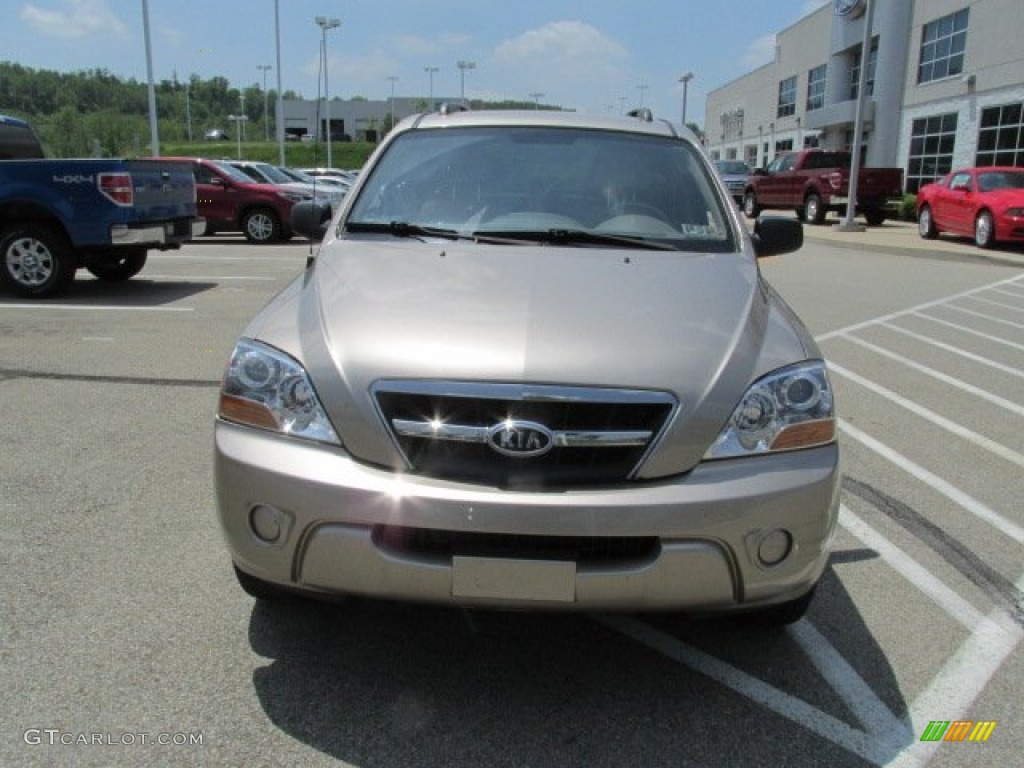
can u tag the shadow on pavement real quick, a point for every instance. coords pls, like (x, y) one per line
(380, 684)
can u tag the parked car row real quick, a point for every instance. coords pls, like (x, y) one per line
(254, 198)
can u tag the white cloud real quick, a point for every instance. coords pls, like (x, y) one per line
(569, 50)
(760, 52)
(74, 19)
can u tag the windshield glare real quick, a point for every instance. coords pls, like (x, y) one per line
(521, 180)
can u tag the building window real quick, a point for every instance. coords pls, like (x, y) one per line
(932, 140)
(787, 97)
(811, 142)
(1001, 136)
(855, 70)
(750, 155)
(943, 42)
(784, 145)
(816, 88)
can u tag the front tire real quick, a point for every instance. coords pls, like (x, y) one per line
(750, 207)
(261, 226)
(119, 267)
(926, 223)
(874, 218)
(984, 230)
(814, 211)
(36, 261)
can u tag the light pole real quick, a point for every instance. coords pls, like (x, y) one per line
(430, 73)
(326, 23)
(154, 134)
(685, 80)
(266, 118)
(393, 79)
(239, 121)
(848, 224)
(536, 96)
(463, 66)
(643, 87)
(279, 105)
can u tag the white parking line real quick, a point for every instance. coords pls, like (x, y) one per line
(988, 318)
(956, 383)
(861, 743)
(971, 331)
(936, 483)
(937, 419)
(961, 681)
(956, 350)
(914, 309)
(95, 307)
(1000, 304)
(207, 277)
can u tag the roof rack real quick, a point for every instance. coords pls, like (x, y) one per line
(448, 108)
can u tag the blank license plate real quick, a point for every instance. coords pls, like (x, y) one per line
(494, 578)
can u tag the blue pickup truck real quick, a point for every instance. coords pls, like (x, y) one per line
(57, 216)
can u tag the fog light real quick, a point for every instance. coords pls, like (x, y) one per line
(266, 523)
(774, 547)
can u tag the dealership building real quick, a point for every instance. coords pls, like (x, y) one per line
(945, 88)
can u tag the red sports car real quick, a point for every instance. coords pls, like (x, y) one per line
(984, 203)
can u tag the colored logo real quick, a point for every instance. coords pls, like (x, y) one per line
(958, 730)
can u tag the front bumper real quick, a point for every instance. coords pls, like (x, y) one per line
(339, 522)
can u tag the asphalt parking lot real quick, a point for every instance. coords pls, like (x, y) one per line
(123, 621)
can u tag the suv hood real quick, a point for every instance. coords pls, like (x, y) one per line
(691, 324)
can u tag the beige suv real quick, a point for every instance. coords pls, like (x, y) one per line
(533, 365)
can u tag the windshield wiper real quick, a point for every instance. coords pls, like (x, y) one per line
(405, 229)
(402, 229)
(576, 236)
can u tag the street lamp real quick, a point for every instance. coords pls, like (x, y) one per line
(239, 121)
(393, 79)
(154, 135)
(643, 87)
(430, 73)
(463, 66)
(279, 104)
(326, 23)
(685, 80)
(536, 96)
(266, 119)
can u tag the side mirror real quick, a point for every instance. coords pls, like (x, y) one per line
(774, 235)
(311, 219)
(760, 172)
(963, 187)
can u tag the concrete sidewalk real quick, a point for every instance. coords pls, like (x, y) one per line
(902, 237)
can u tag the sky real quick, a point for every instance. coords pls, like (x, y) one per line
(595, 56)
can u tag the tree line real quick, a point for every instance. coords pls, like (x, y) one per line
(93, 112)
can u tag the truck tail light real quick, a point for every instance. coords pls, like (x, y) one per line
(117, 187)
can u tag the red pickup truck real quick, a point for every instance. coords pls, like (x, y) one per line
(814, 182)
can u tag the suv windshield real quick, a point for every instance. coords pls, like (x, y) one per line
(546, 184)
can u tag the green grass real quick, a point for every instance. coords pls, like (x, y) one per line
(348, 154)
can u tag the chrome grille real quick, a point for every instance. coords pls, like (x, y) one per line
(592, 437)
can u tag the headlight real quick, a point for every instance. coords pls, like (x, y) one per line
(265, 388)
(789, 409)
